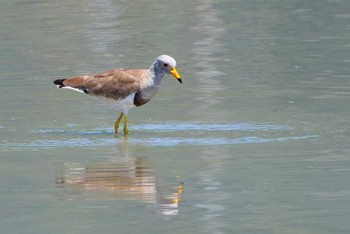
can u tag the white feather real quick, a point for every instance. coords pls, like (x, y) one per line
(123, 105)
(126, 103)
(67, 87)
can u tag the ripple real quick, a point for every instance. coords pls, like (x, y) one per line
(73, 142)
(210, 127)
(99, 131)
(151, 142)
(175, 127)
(160, 136)
(208, 141)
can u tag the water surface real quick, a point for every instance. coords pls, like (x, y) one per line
(255, 140)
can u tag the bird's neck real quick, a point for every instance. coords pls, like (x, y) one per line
(158, 73)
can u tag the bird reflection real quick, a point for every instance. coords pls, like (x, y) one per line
(129, 179)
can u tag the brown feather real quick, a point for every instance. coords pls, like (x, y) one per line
(114, 84)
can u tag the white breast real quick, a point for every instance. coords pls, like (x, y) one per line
(125, 104)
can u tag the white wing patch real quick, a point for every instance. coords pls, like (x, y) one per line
(67, 87)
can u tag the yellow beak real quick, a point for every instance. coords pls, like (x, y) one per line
(175, 74)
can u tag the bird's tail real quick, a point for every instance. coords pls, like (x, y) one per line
(72, 83)
(59, 83)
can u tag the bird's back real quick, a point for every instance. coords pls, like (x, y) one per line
(113, 84)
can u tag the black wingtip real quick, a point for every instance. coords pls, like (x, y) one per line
(59, 82)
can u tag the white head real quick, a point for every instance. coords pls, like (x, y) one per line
(167, 59)
(167, 64)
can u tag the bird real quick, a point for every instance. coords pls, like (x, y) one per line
(127, 87)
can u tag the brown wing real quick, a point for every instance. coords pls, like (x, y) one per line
(114, 84)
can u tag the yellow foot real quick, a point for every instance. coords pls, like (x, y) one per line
(117, 123)
(126, 131)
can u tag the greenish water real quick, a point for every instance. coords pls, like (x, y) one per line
(255, 140)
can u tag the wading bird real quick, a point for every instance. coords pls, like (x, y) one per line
(127, 87)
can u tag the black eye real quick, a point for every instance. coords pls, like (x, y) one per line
(165, 64)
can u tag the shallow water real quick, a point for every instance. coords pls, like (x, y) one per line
(255, 140)
(159, 134)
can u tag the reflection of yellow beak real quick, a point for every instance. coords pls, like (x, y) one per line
(175, 74)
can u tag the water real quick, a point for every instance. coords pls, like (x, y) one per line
(255, 140)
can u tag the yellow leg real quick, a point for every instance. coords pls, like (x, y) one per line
(126, 131)
(116, 125)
